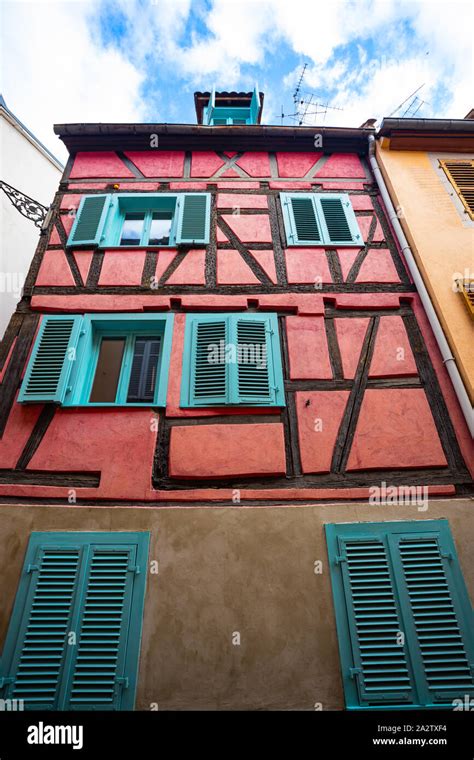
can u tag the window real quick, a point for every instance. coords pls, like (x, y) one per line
(231, 110)
(232, 359)
(100, 359)
(141, 219)
(461, 175)
(90, 584)
(397, 578)
(320, 219)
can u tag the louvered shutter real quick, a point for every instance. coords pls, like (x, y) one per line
(41, 623)
(98, 675)
(193, 218)
(90, 220)
(254, 381)
(143, 375)
(401, 577)
(51, 361)
(380, 667)
(338, 220)
(87, 586)
(461, 176)
(301, 221)
(441, 636)
(209, 370)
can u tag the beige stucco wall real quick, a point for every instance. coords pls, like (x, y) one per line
(441, 238)
(226, 570)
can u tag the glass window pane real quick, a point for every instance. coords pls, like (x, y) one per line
(160, 228)
(132, 229)
(107, 373)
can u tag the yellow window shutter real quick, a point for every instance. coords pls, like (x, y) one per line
(461, 175)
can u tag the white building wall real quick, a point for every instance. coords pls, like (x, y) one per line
(24, 166)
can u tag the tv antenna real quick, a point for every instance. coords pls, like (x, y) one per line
(306, 106)
(414, 104)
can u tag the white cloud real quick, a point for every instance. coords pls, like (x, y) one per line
(53, 72)
(56, 68)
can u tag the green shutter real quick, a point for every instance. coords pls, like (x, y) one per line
(253, 370)
(438, 628)
(209, 376)
(90, 220)
(49, 580)
(98, 674)
(338, 220)
(193, 218)
(232, 359)
(319, 219)
(379, 664)
(85, 585)
(301, 221)
(403, 577)
(51, 361)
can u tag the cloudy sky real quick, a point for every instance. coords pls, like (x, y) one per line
(141, 60)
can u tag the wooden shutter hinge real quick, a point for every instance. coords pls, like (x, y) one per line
(5, 680)
(339, 558)
(134, 569)
(30, 568)
(122, 681)
(355, 672)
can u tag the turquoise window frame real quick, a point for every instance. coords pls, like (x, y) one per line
(315, 198)
(126, 203)
(117, 205)
(80, 358)
(249, 113)
(390, 533)
(83, 542)
(129, 326)
(275, 368)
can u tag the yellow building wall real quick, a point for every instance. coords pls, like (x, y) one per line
(441, 244)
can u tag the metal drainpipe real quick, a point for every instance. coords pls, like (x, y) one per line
(448, 359)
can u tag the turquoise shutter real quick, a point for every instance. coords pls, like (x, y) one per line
(232, 359)
(337, 219)
(36, 642)
(376, 663)
(193, 218)
(401, 577)
(99, 675)
(90, 220)
(258, 373)
(301, 220)
(90, 586)
(442, 624)
(208, 369)
(52, 358)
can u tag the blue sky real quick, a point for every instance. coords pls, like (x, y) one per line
(141, 60)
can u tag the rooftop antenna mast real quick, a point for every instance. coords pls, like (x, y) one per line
(305, 104)
(413, 106)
